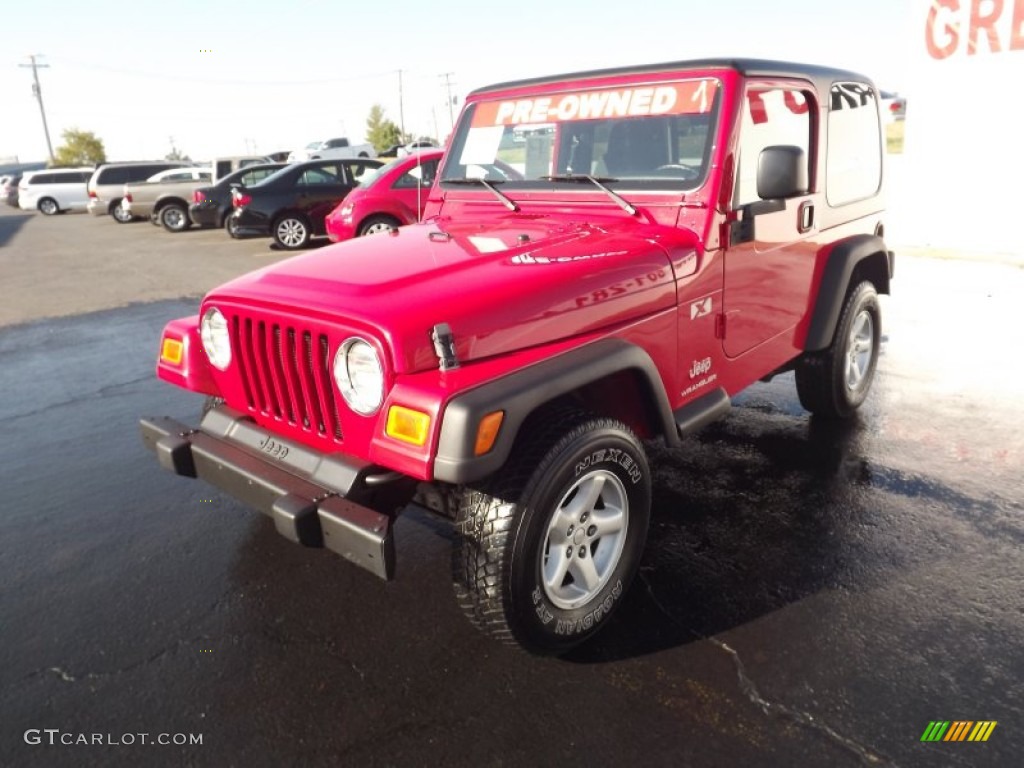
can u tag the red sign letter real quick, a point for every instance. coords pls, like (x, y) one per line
(951, 30)
(986, 22)
(1017, 30)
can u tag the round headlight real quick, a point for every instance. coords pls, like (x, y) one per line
(214, 331)
(359, 376)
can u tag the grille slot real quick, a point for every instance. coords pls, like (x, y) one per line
(285, 373)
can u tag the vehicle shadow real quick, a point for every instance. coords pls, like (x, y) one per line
(10, 224)
(749, 516)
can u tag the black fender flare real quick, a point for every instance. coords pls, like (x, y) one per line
(843, 259)
(522, 392)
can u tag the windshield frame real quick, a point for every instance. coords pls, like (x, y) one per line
(564, 132)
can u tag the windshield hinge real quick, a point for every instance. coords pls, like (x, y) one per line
(444, 346)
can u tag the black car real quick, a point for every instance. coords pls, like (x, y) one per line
(211, 206)
(291, 204)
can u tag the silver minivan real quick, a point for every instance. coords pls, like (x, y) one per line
(107, 185)
(54, 190)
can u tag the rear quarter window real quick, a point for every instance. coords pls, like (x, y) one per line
(853, 165)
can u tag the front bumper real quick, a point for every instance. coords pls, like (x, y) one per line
(309, 495)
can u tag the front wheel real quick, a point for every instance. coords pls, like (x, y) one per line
(546, 548)
(174, 218)
(291, 232)
(834, 382)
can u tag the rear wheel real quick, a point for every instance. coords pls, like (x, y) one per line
(174, 217)
(377, 224)
(834, 382)
(231, 226)
(291, 231)
(48, 206)
(121, 216)
(546, 548)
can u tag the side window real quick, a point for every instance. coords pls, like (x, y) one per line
(356, 169)
(251, 177)
(115, 175)
(418, 174)
(853, 165)
(771, 117)
(42, 178)
(312, 176)
(85, 176)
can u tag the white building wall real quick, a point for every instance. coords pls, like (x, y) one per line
(960, 182)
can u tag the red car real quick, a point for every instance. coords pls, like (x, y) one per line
(392, 196)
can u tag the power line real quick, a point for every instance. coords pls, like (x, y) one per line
(448, 87)
(37, 91)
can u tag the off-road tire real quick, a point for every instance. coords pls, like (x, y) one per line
(834, 383)
(503, 526)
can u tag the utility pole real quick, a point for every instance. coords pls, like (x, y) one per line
(38, 93)
(401, 106)
(448, 88)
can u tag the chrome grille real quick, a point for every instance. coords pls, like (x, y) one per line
(286, 374)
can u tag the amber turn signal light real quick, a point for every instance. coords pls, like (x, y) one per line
(171, 351)
(487, 432)
(407, 425)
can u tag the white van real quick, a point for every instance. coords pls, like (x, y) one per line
(54, 190)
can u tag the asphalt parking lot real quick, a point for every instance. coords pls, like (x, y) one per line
(810, 596)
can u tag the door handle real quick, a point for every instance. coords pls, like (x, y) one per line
(805, 216)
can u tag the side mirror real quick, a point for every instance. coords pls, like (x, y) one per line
(781, 172)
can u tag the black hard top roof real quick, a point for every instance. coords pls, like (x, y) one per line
(823, 77)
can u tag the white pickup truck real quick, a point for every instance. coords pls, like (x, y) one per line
(338, 147)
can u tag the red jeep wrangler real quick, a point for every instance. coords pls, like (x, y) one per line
(606, 256)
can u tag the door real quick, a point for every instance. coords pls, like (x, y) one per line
(411, 189)
(768, 278)
(319, 189)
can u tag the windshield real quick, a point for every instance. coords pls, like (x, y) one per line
(652, 136)
(314, 145)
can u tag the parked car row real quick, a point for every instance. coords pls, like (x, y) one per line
(290, 202)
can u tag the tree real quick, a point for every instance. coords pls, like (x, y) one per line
(79, 148)
(176, 154)
(381, 132)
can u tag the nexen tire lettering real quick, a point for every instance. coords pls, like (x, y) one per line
(614, 456)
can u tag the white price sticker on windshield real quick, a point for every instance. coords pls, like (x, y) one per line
(481, 145)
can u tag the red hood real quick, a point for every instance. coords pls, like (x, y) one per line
(501, 284)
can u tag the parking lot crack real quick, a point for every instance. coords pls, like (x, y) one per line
(865, 754)
(111, 390)
(68, 677)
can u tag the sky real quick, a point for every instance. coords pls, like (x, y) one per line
(236, 78)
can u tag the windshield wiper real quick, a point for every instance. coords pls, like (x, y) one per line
(505, 200)
(596, 181)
